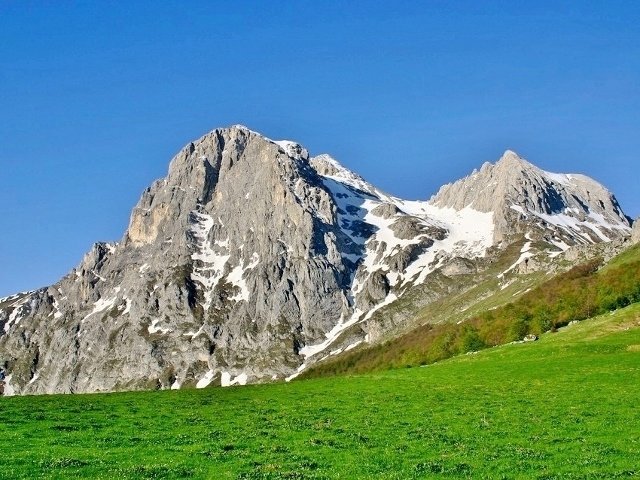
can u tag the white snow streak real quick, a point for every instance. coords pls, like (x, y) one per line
(595, 222)
(127, 307)
(519, 209)
(236, 277)
(154, 328)
(227, 381)
(14, 296)
(212, 269)
(353, 345)
(206, 380)
(20, 310)
(56, 310)
(101, 305)
(194, 334)
(525, 253)
(9, 390)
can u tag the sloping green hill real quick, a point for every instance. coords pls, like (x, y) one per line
(562, 407)
(582, 292)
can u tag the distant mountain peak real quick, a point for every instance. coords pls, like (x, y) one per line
(514, 185)
(510, 156)
(511, 159)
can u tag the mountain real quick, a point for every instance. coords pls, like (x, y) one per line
(252, 260)
(571, 208)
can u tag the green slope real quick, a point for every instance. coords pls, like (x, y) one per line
(562, 407)
(579, 293)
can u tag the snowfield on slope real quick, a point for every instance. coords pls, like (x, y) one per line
(469, 234)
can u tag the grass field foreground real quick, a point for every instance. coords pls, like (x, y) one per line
(563, 407)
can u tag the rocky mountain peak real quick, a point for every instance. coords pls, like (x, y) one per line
(252, 259)
(518, 191)
(511, 158)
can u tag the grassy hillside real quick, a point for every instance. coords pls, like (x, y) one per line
(582, 292)
(562, 407)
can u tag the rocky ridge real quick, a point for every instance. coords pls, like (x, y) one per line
(573, 208)
(251, 258)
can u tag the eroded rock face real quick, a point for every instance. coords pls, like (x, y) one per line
(228, 263)
(573, 207)
(251, 259)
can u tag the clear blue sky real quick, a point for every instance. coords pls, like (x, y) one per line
(96, 97)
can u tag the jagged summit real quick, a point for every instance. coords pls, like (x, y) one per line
(515, 190)
(252, 259)
(508, 160)
(509, 156)
(291, 148)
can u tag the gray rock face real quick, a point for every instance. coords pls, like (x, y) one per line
(635, 233)
(248, 261)
(227, 264)
(573, 207)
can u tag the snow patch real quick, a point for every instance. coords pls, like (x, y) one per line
(97, 275)
(9, 390)
(56, 310)
(301, 368)
(204, 381)
(194, 334)
(519, 209)
(525, 253)
(127, 307)
(227, 381)
(292, 149)
(20, 310)
(101, 305)
(470, 235)
(595, 223)
(14, 296)
(154, 328)
(560, 245)
(345, 176)
(213, 263)
(357, 317)
(236, 277)
(353, 345)
(560, 178)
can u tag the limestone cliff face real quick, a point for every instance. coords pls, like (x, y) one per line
(229, 266)
(635, 233)
(251, 258)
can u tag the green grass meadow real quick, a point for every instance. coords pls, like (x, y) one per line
(566, 406)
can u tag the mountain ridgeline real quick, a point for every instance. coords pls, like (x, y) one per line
(252, 261)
